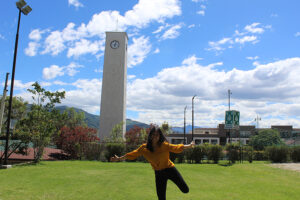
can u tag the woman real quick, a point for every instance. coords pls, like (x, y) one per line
(156, 151)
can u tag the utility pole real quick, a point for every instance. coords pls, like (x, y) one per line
(229, 93)
(193, 117)
(25, 9)
(3, 102)
(257, 119)
(184, 142)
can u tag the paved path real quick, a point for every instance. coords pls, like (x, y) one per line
(289, 166)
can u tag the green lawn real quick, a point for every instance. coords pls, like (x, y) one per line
(135, 181)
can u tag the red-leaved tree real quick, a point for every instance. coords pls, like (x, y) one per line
(74, 141)
(136, 136)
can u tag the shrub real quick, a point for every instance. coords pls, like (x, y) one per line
(198, 153)
(72, 140)
(92, 151)
(295, 154)
(277, 154)
(177, 157)
(112, 149)
(248, 153)
(233, 150)
(189, 155)
(215, 153)
(259, 155)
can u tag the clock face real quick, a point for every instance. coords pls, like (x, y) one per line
(114, 44)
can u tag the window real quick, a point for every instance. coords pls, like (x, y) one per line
(177, 141)
(197, 141)
(214, 141)
(206, 132)
(205, 140)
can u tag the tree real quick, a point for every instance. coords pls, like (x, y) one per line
(73, 140)
(265, 138)
(165, 128)
(39, 124)
(69, 118)
(116, 135)
(136, 136)
(19, 107)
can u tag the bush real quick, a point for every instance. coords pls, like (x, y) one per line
(215, 153)
(259, 155)
(295, 154)
(233, 152)
(248, 153)
(277, 154)
(92, 151)
(177, 157)
(189, 155)
(198, 153)
(112, 149)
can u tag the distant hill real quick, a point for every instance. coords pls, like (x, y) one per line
(93, 120)
(188, 129)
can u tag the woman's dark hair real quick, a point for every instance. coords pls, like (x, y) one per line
(149, 140)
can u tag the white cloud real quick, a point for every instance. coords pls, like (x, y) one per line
(71, 68)
(138, 51)
(85, 46)
(252, 58)
(268, 90)
(201, 12)
(246, 39)
(59, 83)
(75, 3)
(249, 35)
(253, 28)
(54, 43)
(159, 29)
(81, 97)
(131, 76)
(2, 37)
(52, 72)
(217, 46)
(172, 32)
(36, 35)
(156, 51)
(72, 37)
(191, 26)
(32, 48)
(297, 34)
(98, 70)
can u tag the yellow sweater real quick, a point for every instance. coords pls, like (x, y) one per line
(159, 159)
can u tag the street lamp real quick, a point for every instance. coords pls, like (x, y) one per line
(193, 117)
(21, 5)
(184, 125)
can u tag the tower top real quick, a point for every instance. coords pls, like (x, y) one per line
(112, 32)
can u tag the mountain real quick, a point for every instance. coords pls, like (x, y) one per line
(93, 120)
(188, 129)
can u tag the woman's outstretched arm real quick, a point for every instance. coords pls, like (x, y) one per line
(131, 155)
(117, 158)
(188, 146)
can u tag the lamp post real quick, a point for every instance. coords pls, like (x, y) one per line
(184, 125)
(3, 101)
(193, 117)
(21, 5)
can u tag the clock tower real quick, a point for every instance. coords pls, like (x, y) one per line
(113, 96)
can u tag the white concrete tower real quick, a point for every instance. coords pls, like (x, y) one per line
(113, 97)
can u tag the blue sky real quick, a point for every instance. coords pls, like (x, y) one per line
(176, 49)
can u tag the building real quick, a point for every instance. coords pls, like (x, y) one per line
(222, 136)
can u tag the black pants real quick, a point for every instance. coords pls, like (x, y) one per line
(161, 178)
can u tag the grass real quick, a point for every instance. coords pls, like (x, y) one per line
(116, 181)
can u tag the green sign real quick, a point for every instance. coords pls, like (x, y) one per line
(232, 119)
